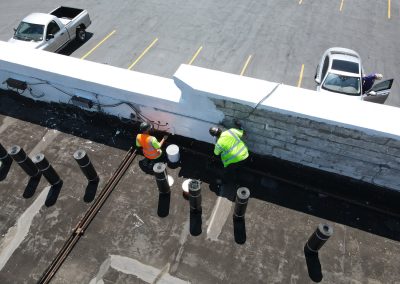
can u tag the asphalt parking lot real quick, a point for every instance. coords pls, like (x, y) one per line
(280, 41)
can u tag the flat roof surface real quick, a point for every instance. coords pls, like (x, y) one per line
(139, 236)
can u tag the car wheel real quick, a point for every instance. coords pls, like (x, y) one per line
(81, 35)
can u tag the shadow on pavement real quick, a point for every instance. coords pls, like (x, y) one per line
(164, 200)
(90, 191)
(52, 196)
(239, 230)
(31, 187)
(313, 266)
(5, 168)
(74, 45)
(196, 222)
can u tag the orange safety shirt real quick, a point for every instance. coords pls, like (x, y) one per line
(151, 147)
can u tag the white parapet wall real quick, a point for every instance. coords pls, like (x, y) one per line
(333, 133)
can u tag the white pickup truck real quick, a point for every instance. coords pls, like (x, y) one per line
(52, 31)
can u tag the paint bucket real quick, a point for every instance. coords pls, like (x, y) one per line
(173, 153)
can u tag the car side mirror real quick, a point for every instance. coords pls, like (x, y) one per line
(49, 36)
(318, 81)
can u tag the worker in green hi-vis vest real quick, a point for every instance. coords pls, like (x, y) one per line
(231, 148)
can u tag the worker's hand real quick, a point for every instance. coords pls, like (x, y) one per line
(237, 123)
(163, 139)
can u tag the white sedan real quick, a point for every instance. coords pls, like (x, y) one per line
(340, 71)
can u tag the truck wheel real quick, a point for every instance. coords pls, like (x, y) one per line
(81, 35)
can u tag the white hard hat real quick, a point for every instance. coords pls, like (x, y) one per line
(378, 76)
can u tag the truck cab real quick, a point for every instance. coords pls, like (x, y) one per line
(41, 31)
(52, 31)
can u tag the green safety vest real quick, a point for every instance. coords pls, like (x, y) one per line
(231, 148)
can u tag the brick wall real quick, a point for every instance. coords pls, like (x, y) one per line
(323, 145)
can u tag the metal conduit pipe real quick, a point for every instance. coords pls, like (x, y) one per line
(18, 154)
(195, 196)
(47, 170)
(86, 165)
(242, 198)
(160, 172)
(318, 238)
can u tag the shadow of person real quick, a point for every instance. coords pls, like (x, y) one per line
(5, 166)
(226, 190)
(164, 200)
(195, 223)
(52, 196)
(147, 165)
(198, 167)
(90, 191)
(313, 265)
(239, 230)
(31, 187)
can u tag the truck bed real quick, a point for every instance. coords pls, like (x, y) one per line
(66, 12)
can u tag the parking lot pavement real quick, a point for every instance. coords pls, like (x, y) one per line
(280, 36)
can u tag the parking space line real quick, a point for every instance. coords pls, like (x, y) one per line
(143, 53)
(195, 55)
(389, 9)
(245, 65)
(300, 76)
(100, 43)
(341, 6)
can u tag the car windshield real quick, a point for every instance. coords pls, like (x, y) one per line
(29, 32)
(345, 66)
(342, 84)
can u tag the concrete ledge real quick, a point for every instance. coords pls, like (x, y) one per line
(334, 133)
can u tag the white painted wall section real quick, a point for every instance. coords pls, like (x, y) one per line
(331, 132)
(337, 109)
(55, 78)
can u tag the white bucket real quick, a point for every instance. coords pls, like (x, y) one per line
(173, 153)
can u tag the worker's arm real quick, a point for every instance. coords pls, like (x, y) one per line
(137, 142)
(238, 132)
(239, 128)
(155, 143)
(217, 149)
(163, 140)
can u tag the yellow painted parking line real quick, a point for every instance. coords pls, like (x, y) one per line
(388, 9)
(245, 65)
(341, 5)
(195, 55)
(143, 53)
(300, 76)
(100, 43)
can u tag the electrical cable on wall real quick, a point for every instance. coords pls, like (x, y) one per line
(262, 100)
(136, 111)
(33, 95)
